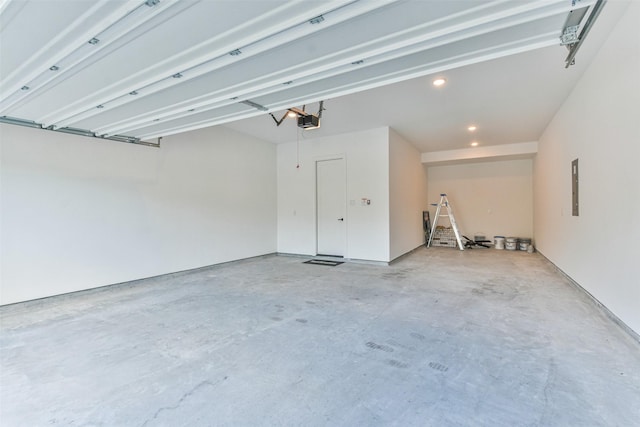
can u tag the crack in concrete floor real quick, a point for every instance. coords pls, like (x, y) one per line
(440, 338)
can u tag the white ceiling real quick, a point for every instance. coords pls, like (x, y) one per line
(509, 99)
(155, 68)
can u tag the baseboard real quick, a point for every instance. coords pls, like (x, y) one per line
(399, 257)
(136, 281)
(352, 260)
(633, 334)
(367, 262)
(291, 255)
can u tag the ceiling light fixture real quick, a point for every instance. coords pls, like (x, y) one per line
(472, 128)
(292, 114)
(474, 144)
(439, 81)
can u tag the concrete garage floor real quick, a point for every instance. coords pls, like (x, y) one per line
(440, 338)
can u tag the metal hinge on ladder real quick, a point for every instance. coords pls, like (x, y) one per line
(445, 202)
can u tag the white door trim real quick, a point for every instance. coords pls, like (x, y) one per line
(343, 157)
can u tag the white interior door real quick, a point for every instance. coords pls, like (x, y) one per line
(331, 205)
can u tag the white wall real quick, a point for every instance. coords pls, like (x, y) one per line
(79, 213)
(599, 125)
(407, 196)
(488, 198)
(367, 164)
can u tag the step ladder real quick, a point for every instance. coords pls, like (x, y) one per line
(444, 202)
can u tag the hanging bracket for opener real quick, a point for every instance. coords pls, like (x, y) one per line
(570, 37)
(298, 112)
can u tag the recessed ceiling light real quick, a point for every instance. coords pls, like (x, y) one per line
(439, 81)
(292, 114)
(472, 128)
(474, 144)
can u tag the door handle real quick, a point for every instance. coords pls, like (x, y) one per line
(340, 219)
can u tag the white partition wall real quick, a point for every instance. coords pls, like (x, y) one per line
(598, 125)
(366, 157)
(488, 198)
(79, 213)
(407, 196)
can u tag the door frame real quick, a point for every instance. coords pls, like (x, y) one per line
(324, 158)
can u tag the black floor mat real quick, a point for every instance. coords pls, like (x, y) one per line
(323, 262)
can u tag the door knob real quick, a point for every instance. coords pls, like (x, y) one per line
(340, 219)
